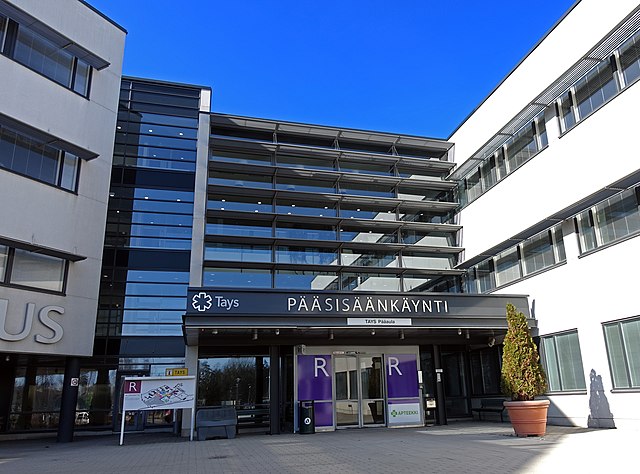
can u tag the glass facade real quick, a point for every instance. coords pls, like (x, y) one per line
(309, 219)
(149, 222)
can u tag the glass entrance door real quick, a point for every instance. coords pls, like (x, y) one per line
(359, 391)
(347, 391)
(372, 400)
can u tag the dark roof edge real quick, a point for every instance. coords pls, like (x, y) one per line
(535, 46)
(95, 10)
(165, 83)
(336, 127)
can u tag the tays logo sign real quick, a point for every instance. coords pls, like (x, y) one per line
(203, 301)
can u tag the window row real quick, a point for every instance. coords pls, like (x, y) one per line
(42, 55)
(329, 163)
(602, 83)
(31, 157)
(281, 205)
(313, 280)
(537, 253)
(329, 186)
(23, 268)
(512, 154)
(609, 221)
(307, 231)
(337, 142)
(562, 358)
(326, 256)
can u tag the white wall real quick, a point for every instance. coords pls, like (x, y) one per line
(46, 216)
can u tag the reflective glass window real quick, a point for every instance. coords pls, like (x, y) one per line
(81, 78)
(370, 282)
(617, 217)
(153, 329)
(428, 261)
(159, 243)
(414, 282)
(507, 266)
(157, 289)
(241, 179)
(157, 129)
(537, 253)
(156, 316)
(369, 189)
(359, 234)
(563, 362)
(4, 252)
(567, 114)
(485, 276)
(415, 172)
(586, 232)
(237, 252)
(306, 280)
(421, 237)
(137, 117)
(305, 208)
(367, 167)
(42, 55)
(305, 231)
(414, 193)
(306, 255)
(473, 187)
(157, 276)
(38, 270)
(306, 185)
(239, 203)
(247, 158)
(595, 89)
(236, 277)
(630, 59)
(319, 163)
(364, 211)
(429, 217)
(239, 227)
(143, 302)
(623, 350)
(367, 258)
(521, 147)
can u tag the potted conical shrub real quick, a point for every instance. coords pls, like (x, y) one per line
(523, 378)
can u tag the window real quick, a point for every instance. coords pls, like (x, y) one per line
(31, 49)
(37, 270)
(623, 349)
(537, 253)
(507, 265)
(630, 59)
(595, 89)
(236, 277)
(306, 255)
(521, 147)
(237, 252)
(563, 362)
(33, 158)
(306, 280)
(609, 221)
(4, 251)
(485, 371)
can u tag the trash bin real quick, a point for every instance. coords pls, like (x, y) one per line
(306, 417)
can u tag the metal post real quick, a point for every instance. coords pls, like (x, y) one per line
(441, 414)
(274, 390)
(69, 400)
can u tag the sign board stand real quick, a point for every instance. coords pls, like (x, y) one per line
(158, 393)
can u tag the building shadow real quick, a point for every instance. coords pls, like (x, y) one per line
(600, 415)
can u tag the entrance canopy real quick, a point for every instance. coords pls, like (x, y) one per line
(282, 317)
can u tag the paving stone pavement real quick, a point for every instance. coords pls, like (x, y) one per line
(460, 447)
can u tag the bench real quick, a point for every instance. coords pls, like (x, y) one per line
(216, 423)
(255, 417)
(490, 405)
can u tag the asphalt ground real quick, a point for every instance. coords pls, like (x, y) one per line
(460, 447)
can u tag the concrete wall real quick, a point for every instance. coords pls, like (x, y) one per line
(44, 215)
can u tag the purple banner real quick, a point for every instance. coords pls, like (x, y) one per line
(314, 377)
(323, 412)
(402, 376)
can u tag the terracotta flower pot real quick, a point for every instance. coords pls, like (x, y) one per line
(528, 418)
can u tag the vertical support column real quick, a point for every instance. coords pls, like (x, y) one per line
(69, 400)
(7, 381)
(191, 363)
(274, 390)
(441, 414)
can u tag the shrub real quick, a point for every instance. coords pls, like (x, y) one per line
(522, 375)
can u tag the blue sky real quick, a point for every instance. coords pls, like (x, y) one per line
(416, 67)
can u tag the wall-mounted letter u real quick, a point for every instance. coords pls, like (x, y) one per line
(28, 322)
